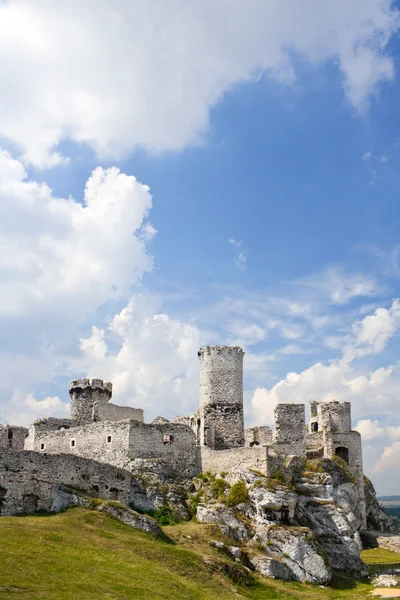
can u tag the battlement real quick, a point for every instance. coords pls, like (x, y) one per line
(215, 350)
(94, 384)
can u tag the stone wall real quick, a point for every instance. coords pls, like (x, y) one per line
(334, 416)
(258, 436)
(91, 441)
(290, 429)
(30, 481)
(119, 442)
(12, 436)
(112, 412)
(242, 458)
(221, 397)
(173, 443)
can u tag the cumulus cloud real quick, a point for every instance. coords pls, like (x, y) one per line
(152, 362)
(341, 379)
(390, 459)
(60, 260)
(116, 75)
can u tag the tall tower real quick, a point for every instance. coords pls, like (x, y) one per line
(221, 397)
(86, 395)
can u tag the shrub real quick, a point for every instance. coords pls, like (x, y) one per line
(279, 476)
(164, 516)
(194, 502)
(219, 487)
(238, 494)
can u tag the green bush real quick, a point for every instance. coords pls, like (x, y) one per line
(238, 494)
(219, 487)
(164, 516)
(279, 476)
(194, 502)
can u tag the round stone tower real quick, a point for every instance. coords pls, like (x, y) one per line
(221, 397)
(86, 395)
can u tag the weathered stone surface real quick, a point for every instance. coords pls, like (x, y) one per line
(377, 518)
(270, 567)
(294, 547)
(64, 497)
(389, 542)
(221, 397)
(219, 514)
(385, 580)
(28, 480)
(336, 531)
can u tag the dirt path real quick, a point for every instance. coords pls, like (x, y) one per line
(386, 592)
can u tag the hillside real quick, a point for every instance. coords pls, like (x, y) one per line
(87, 555)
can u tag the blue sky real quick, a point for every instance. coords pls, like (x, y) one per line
(268, 136)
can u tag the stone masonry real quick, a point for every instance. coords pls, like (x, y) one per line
(221, 397)
(101, 442)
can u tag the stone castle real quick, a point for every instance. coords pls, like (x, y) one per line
(98, 447)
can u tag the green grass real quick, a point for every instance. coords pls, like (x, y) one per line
(380, 555)
(87, 555)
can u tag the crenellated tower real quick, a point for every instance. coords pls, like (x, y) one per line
(88, 396)
(220, 416)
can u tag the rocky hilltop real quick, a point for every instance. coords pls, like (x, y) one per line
(300, 525)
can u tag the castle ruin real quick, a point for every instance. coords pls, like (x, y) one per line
(97, 447)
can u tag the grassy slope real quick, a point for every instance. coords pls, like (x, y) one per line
(85, 555)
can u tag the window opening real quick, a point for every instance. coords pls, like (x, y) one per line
(109, 439)
(314, 426)
(168, 438)
(343, 452)
(42, 446)
(73, 443)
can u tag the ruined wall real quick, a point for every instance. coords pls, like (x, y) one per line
(113, 412)
(315, 445)
(12, 436)
(313, 425)
(174, 444)
(30, 481)
(221, 397)
(334, 416)
(290, 429)
(352, 442)
(258, 436)
(91, 441)
(241, 458)
(119, 442)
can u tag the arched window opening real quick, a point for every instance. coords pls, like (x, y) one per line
(343, 453)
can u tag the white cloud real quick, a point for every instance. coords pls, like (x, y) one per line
(60, 261)
(241, 261)
(153, 363)
(61, 256)
(341, 287)
(390, 459)
(341, 379)
(24, 409)
(293, 349)
(116, 75)
(372, 333)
